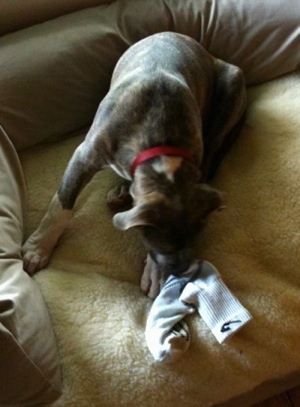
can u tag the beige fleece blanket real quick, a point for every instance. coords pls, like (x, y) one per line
(92, 289)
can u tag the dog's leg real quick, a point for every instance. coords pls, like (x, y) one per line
(152, 279)
(38, 248)
(225, 118)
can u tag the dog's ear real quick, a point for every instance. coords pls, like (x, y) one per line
(140, 215)
(205, 199)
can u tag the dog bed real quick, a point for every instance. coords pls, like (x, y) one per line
(92, 289)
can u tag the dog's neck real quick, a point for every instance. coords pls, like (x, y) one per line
(165, 151)
(159, 177)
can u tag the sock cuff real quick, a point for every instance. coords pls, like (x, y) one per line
(233, 323)
(218, 307)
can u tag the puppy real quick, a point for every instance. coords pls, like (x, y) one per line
(171, 113)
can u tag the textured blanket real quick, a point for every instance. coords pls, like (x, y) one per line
(91, 286)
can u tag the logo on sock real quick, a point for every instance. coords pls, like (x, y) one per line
(226, 326)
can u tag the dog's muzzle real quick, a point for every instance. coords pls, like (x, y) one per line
(175, 264)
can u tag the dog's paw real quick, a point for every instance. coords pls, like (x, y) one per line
(152, 279)
(35, 257)
(119, 198)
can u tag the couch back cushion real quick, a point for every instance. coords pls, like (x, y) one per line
(53, 75)
(18, 14)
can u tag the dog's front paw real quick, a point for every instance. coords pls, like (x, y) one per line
(119, 198)
(35, 257)
(152, 279)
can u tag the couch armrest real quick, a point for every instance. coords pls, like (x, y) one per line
(29, 366)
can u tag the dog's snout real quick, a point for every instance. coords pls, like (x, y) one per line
(181, 265)
(176, 263)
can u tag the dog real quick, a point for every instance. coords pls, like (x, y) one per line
(170, 115)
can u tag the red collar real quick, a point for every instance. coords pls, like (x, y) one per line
(157, 151)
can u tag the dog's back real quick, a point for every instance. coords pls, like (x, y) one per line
(172, 56)
(158, 95)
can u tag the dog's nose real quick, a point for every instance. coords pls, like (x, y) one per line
(180, 267)
(175, 264)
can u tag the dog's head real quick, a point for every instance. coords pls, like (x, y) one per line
(169, 223)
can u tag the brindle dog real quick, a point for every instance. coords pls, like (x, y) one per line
(171, 113)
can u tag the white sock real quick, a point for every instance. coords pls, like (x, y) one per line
(201, 288)
(217, 306)
(167, 335)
